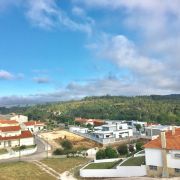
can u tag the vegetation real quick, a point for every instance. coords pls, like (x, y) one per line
(107, 153)
(139, 146)
(122, 149)
(64, 164)
(3, 151)
(104, 165)
(134, 161)
(23, 147)
(21, 171)
(66, 144)
(154, 108)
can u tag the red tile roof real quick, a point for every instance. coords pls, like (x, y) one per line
(24, 134)
(95, 121)
(172, 141)
(10, 128)
(34, 123)
(2, 121)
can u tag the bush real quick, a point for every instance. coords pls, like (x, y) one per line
(66, 144)
(122, 149)
(58, 152)
(101, 154)
(110, 152)
(22, 147)
(139, 146)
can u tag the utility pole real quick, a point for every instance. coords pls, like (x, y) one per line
(19, 151)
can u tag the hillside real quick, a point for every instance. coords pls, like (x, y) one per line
(162, 109)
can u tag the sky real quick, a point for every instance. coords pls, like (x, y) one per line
(58, 50)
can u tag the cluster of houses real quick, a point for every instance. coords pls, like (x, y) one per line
(18, 131)
(162, 152)
(114, 130)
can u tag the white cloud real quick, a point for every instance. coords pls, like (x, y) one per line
(145, 70)
(5, 75)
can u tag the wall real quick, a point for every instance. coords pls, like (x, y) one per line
(20, 118)
(173, 162)
(27, 141)
(16, 154)
(153, 157)
(122, 171)
(10, 133)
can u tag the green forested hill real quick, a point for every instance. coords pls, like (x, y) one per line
(162, 109)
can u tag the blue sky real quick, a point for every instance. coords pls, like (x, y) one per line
(52, 50)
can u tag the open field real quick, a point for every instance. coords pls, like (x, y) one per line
(55, 137)
(65, 164)
(22, 171)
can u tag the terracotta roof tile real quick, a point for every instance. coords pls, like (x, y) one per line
(172, 141)
(10, 128)
(32, 123)
(24, 134)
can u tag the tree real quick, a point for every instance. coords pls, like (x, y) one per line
(122, 149)
(101, 154)
(66, 144)
(138, 127)
(131, 148)
(110, 152)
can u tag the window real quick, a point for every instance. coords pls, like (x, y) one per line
(177, 155)
(153, 168)
(177, 170)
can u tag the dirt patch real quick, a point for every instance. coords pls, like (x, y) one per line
(55, 137)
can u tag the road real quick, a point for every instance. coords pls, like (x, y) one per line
(40, 154)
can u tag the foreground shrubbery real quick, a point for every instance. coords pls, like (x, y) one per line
(107, 153)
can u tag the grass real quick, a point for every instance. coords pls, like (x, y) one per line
(65, 164)
(104, 165)
(3, 151)
(22, 171)
(134, 161)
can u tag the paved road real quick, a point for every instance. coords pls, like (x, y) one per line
(41, 153)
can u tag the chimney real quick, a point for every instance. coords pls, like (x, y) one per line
(173, 130)
(163, 139)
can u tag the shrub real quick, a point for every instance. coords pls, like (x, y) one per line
(66, 144)
(101, 154)
(122, 149)
(110, 152)
(139, 146)
(58, 152)
(22, 147)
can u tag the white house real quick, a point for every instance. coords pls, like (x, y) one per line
(78, 129)
(13, 135)
(34, 126)
(113, 129)
(163, 154)
(20, 118)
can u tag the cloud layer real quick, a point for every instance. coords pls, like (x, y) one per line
(151, 60)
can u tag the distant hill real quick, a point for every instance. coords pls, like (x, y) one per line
(164, 109)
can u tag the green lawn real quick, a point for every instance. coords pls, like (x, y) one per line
(65, 164)
(3, 151)
(22, 171)
(134, 161)
(104, 165)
